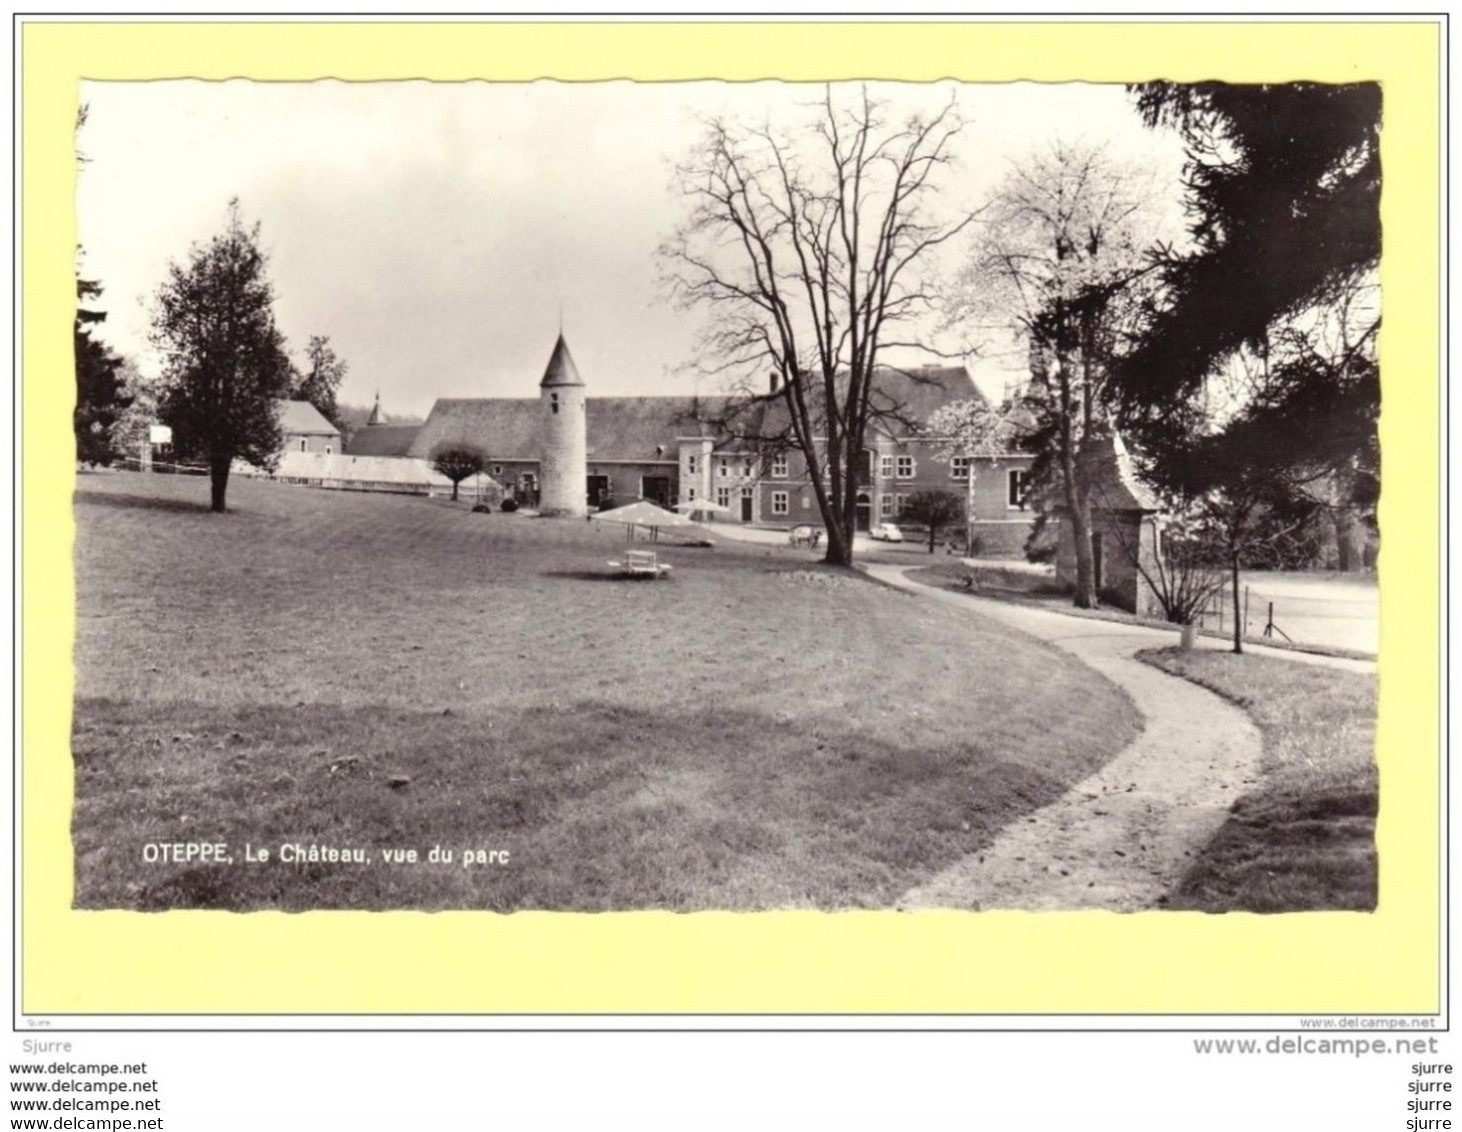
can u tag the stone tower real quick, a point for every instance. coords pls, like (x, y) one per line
(563, 462)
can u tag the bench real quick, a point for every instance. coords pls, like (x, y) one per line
(641, 564)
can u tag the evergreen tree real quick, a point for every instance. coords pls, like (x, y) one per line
(225, 369)
(1283, 196)
(100, 398)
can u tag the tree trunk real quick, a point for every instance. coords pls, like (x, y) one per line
(1078, 507)
(218, 477)
(932, 529)
(1086, 595)
(839, 545)
(1238, 614)
(454, 490)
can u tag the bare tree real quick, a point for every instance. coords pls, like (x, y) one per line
(804, 246)
(1057, 259)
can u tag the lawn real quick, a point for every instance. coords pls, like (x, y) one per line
(1304, 838)
(386, 674)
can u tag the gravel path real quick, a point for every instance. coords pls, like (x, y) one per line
(1122, 838)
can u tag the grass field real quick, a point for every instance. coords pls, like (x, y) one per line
(1305, 837)
(383, 673)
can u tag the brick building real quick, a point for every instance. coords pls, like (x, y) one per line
(735, 453)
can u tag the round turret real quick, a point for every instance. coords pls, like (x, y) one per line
(563, 462)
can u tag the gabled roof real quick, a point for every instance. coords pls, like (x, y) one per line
(911, 395)
(382, 440)
(646, 428)
(1115, 486)
(561, 369)
(300, 418)
(619, 428)
(901, 401)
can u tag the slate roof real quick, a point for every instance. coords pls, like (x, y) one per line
(902, 400)
(561, 369)
(1117, 486)
(300, 418)
(913, 394)
(382, 440)
(639, 429)
(619, 428)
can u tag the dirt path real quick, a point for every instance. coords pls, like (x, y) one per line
(1122, 838)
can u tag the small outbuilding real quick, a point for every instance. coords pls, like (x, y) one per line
(305, 429)
(1126, 530)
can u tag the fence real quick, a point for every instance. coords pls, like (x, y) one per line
(1304, 609)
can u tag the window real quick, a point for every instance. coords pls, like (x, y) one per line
(691, 496)
(746, 468)
(746, 493)
(328, 449)
(497, 469)
(723, 496)
(885, 505)
(553, 402)
(303, 444)
(905, 467)
(779, 467)
(779, 503)
(690, 462)
(806, 502)
(959, 468)
(723, 469)
(885, 467)
(1015, 490)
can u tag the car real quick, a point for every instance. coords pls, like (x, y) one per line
(887, 532)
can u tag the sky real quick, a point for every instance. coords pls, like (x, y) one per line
(440, 233)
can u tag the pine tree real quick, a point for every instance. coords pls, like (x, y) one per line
(225, 368)
(100, 398)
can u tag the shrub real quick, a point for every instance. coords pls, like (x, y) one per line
(1040, 547)
(509, 505)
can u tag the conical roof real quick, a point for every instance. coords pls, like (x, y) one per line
(376, 417)
(561, 369)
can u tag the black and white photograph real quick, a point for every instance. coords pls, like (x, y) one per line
(705, 496)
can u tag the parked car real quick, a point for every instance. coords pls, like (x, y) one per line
(887, 532)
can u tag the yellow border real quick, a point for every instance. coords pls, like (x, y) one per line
(186, 962)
